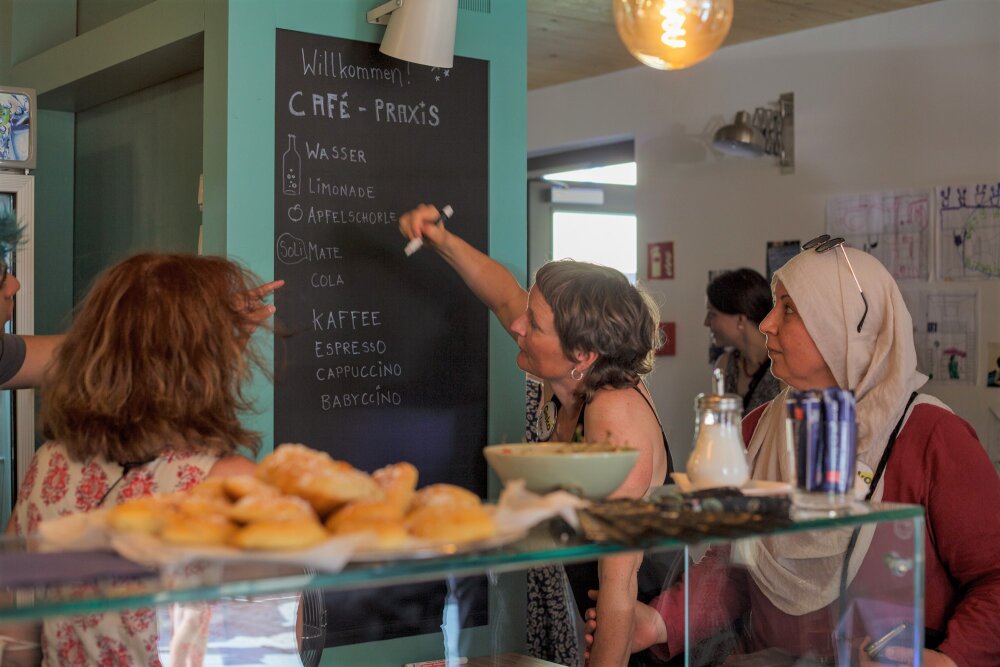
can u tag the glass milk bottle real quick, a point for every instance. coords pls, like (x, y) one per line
(719, 457)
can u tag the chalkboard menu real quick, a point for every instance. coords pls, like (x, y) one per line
(379, 357)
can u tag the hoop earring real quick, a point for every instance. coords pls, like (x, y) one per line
(573, 373)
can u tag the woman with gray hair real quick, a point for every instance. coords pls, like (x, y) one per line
(590, 336)
(839, 320)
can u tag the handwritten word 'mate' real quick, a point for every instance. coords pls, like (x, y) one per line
(407, 114)
(346, 319)
(331, 65)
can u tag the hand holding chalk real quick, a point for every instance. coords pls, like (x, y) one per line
(418, 243)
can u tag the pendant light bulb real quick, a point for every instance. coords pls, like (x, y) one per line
(672, 34)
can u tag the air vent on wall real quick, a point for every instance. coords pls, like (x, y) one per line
(475, 5)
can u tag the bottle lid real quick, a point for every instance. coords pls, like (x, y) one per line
(716, 402)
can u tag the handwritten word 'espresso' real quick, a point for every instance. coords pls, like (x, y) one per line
(346, 319)
(331, 64)
(372, 399)
(348, 348)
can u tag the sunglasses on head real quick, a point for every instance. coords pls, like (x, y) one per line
(821, 244)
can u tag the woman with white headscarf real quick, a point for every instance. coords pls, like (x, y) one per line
(824, 331)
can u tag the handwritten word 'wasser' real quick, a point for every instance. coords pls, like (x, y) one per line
(331, 64)
(346, 319)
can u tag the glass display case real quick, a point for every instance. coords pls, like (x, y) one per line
(772, 595)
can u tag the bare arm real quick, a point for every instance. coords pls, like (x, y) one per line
(492, 284)
(38, 353)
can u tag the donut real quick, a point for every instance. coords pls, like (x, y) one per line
(398, 482)
(202, 505)
(444, 494)
(140, 515)
(240, 486)
(279, 535)
(451, 523)
(249, 509)
(212, 529)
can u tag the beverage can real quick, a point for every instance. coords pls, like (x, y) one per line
(821, 428)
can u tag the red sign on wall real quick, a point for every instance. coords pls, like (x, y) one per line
(668, 334)
(660, 260)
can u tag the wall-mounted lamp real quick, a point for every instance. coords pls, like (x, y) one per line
(418, 31)
(672, 34)
(770, 131)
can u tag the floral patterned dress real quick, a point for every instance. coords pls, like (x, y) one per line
(55, 486)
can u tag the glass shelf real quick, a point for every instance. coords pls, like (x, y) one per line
(122, 585)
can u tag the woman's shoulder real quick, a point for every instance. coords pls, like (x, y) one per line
(934, 423)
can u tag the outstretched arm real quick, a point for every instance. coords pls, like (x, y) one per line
(492, 284)
(39, 351)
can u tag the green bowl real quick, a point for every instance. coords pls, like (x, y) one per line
(549, 467)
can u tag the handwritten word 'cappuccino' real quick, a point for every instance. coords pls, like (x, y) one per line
(379, 369)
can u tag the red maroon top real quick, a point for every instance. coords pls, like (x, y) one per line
(938, 463)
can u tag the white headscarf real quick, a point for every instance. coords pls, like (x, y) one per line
(800, 574)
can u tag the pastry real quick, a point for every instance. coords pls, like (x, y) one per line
(212, 529)
(270, 508)
(444, 494)
(451, 523)
(140, 515)
(398, 482)
(280, 535)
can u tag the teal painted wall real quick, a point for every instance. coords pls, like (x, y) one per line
(54, 222)
(138, 159)
(500, 37)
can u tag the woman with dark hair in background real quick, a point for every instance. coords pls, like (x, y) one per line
(737, 302)
(590, 336)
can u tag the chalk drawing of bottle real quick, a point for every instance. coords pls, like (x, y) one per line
(291, 168)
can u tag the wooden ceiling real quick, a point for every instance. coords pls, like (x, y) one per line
(576, 39)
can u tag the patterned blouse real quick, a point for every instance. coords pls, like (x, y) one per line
(55, 486)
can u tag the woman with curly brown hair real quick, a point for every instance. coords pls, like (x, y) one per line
(590, 336)
(144, 396)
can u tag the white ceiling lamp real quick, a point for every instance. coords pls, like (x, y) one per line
(770, 131)
(672, 34)
(418, 31)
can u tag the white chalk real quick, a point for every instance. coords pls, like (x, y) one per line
(418, 243)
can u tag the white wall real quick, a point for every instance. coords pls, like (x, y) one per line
(900, 100)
